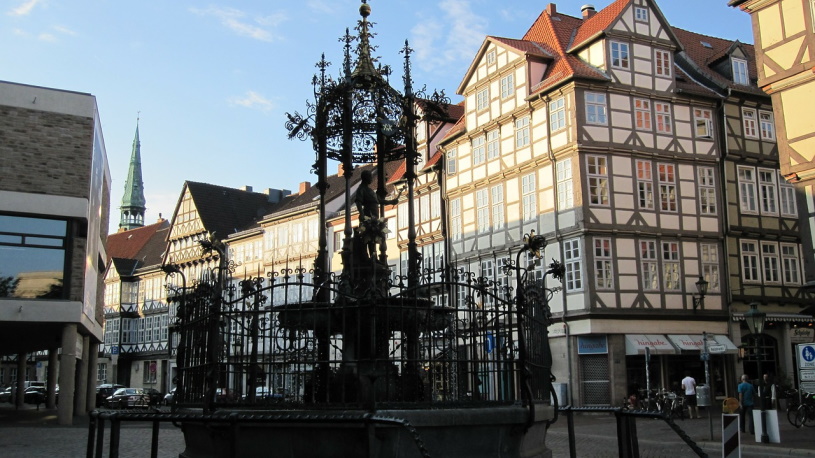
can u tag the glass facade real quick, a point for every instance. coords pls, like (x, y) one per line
(33, 254)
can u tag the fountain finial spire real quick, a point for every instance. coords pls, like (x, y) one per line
(365, 66)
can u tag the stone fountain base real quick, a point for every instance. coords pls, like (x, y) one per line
(482, 432)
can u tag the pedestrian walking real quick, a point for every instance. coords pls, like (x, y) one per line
(689, 385)
(746, 401)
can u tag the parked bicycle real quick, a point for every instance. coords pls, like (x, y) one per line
(803, 414)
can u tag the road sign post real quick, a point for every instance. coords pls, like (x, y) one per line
(806, 367)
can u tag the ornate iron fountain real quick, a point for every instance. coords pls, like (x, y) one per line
(363, 362)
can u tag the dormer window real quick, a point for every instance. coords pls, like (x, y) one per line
(740, 75)
(641, 14)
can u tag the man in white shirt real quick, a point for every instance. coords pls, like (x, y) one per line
(689, 385)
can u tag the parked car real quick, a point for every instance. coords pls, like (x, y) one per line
(35, 395)
(168, 398)
(127, 397)
(5, 394)
(264, 393)
(104, 390)
(155, 395)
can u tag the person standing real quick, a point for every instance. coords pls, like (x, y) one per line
(746, 401)
(689, 385)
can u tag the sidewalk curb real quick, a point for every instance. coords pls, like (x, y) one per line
(759, 449)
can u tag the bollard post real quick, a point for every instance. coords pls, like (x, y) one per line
(100, 436)
(570, 423)
(154, 441)
(731, 442)
(633, 440)
(91, 430)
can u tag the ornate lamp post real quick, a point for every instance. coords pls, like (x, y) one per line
(755, 321)
(701, 286)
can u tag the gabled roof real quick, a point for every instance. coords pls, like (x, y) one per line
(706, 52)
(597, 24)
(555, 32)
(226, 210)
(128, 244)
(525, 47)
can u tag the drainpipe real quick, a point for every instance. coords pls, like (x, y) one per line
(725, 218)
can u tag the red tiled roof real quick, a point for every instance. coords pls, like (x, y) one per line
(555, 33)
(705, 57)
(455, 131)
(598, 23)
(525, 46)
(128, 244)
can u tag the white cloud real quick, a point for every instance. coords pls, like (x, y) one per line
(257, 28)
(47, 37)
(321, 6)
(451, 41)
(64, 30)
(254, 101)
(24, 8)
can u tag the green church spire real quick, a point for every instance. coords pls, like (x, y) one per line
(133, 203)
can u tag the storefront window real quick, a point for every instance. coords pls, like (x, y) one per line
(32, 257)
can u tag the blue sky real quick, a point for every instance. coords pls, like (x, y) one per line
(212, 81)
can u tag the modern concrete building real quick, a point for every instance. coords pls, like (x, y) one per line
(54, 207)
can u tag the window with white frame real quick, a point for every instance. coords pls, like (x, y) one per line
(597, 172)
(504, 276)
(786, 197)
(747, 189)
(640, 14)
(148, 329)
(642, 113)
(667, 187)
(164, 327)
(101, 372)
(767, 125)
(507, 86)
(488, 272)
(649, 265)
(645, 185)
(491, 57)
(482, 99)
(392, 228)
(140, 324)
(662, 60)
(557, 114)
(522, 132)
(402, 215)
(451, 161)
(573, 270)
(767, 190)
(313, 229)
(790, 264)
(749, 262)
(703, 122)
(282, 236)
(424, 205)
(707, 191)
(297, 233)
(709, 257)
(493, 144)
(769, 262)
(619, 55)
(497, 202)
(740, 75)
(596, 108)
(435, 204)
(479, 151)
(455, 219)
(565, 188)
(663, 115)
(670, 265)
(748, 116)
(529, 199)
(482, 205)
(603, 271)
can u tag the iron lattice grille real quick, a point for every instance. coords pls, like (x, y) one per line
(595, 380)
(453, 340)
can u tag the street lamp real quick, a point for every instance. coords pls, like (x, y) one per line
(755, 321)
(701, 286)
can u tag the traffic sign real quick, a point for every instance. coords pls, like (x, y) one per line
(716, 349)
(808, 387)
(806, 356)
(704, 356)
(808, 376)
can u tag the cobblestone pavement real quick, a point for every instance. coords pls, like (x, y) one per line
(28, 433)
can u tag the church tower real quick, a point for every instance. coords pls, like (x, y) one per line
(133, 201)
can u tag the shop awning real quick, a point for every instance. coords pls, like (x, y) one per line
(635, 344)
(694, 342)
(785, 317)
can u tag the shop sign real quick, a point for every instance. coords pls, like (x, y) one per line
(716, 349)
(592, 345)
(802, 335)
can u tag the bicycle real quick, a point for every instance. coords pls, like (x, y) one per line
(804, 414)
